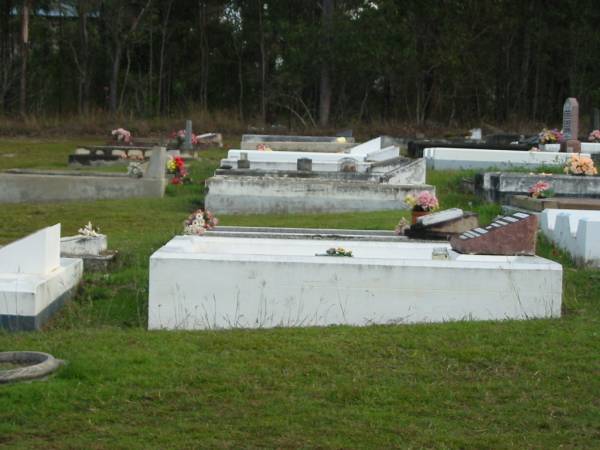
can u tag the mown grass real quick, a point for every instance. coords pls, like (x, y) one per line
(506, 384)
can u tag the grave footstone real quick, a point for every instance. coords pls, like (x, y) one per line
(508, 235)
(571, 126)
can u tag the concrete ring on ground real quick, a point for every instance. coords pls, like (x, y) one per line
(34, 365)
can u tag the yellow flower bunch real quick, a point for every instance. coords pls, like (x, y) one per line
(580, 165)
(171, 166)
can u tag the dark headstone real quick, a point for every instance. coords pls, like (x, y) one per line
(243, 162)
(508, 235)
(596, 119)
(304, 164)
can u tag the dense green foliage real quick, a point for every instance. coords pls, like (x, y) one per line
(450, 61)
(505, 384)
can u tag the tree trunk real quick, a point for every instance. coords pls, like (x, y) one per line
(325, 84)
(24, 56)
(114, 78)
(263, 62)
(84, 78)
(204, 53)
(161, 63)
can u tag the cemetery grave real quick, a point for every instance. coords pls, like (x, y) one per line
(333, 144)
(34, 280)
(184, 143)
(366, 177)
(28, 185)
(206, 282)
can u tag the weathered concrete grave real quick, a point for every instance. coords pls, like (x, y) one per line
(93, 250)
(34, 280)
(205, 282)
(575, 231)
(439, 158)
(499, 187)
(367, 178)
(19, 186)
(331, 144)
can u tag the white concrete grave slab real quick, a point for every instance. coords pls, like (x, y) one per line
(205, 282)
(443, 158)
(34, 280)
(575, 231)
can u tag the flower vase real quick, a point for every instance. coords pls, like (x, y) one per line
(417, 214)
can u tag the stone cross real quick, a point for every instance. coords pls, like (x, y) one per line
(571, 126)
(187, 143)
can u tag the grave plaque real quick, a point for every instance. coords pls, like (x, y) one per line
(304, 164)
(571, 126)
(509, 235)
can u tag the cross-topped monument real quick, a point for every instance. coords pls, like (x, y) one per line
(571, 126)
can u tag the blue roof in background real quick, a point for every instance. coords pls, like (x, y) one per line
(59, 9)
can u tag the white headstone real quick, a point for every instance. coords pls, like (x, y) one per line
(38, 253)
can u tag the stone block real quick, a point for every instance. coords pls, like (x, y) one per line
(508, 235)
(82, 151)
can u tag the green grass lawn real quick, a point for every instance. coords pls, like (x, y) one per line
(511, 384)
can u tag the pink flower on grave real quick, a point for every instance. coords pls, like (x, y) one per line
(424, 201)
(541, 189)
(594, 136)
(580, 165)
(122, 135)
(550, 136)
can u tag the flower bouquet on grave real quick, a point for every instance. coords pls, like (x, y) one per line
(594, 136)
(340, 251)
(580, 165)
(550, 136)
(89, 230)
(541, 189)
(179, 137)
(176, 167)
(198, 222)
(424, 203)
(122, 136)
(263, 148)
